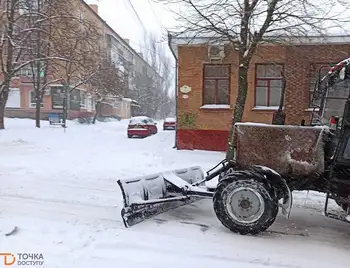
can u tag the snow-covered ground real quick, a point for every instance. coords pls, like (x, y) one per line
(60, 190)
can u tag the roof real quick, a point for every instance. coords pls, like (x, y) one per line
(175, 41)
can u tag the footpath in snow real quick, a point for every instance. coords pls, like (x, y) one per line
(60, 190)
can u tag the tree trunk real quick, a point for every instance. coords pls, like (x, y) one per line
(239, 108)
(2, 114)
(97, 111)
(3, 99)
(37, 110)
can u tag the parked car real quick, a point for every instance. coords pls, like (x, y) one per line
(169, 123)
(141, 126)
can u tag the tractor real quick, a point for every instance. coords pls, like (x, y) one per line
(271, 161)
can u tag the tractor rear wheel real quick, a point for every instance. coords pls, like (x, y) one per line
(245, 203)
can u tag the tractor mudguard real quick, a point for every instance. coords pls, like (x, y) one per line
(280, 184)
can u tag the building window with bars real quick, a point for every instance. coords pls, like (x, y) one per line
(216, 84)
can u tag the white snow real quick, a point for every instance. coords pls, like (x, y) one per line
(268, 169)
(170, 119)
(272, 108)
(59, 188)
(215, 106)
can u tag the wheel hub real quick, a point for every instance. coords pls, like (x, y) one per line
(245, 205)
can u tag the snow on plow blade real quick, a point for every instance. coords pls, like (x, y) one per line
(150, 195)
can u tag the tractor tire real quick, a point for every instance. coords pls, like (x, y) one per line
(245, 203)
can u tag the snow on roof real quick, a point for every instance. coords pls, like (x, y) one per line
(127, 99)
(292, 40)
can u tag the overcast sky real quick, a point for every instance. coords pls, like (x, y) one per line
(121, 17)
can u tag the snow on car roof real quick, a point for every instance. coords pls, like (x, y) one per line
(170, 119)
(138, 119)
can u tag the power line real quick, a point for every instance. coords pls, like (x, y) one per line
(155, 15)
(157, 53)
(138, 17)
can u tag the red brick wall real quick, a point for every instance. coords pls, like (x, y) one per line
(296, 60)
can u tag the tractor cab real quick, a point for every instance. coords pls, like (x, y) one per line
(331, 100)
(330, 96)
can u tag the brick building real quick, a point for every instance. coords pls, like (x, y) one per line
(131, 64)
(207, 87)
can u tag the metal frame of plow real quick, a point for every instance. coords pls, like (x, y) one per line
(150, 195)
(338, 217)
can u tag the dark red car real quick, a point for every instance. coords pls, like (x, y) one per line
(169, 123)
(141, 126)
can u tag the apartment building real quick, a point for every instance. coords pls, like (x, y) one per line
(21, 102)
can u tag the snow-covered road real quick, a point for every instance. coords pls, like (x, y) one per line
(60, 190)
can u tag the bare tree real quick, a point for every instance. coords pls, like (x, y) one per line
(13, 45)
(77, 41)
(247, 23)
(39, 16)
(31, 37)
(153, 88)
(108, 81)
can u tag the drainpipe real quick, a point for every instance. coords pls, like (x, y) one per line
(176, 84)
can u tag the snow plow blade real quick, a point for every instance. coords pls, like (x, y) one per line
(150, 195)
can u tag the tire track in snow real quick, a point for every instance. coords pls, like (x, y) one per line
(60, 210)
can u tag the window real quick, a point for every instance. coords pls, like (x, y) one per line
(27, 71)
(14, 98)
(32, 102)
(117, 103)
(82, 99)
(57, 96)
(216, 84)
(144, 70)
(316, 71)
(268, 85)
(346, 154)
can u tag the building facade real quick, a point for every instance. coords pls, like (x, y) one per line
(207, 88)
(21, 101)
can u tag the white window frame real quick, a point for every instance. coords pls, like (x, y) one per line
(33, 104)
(83, 104)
